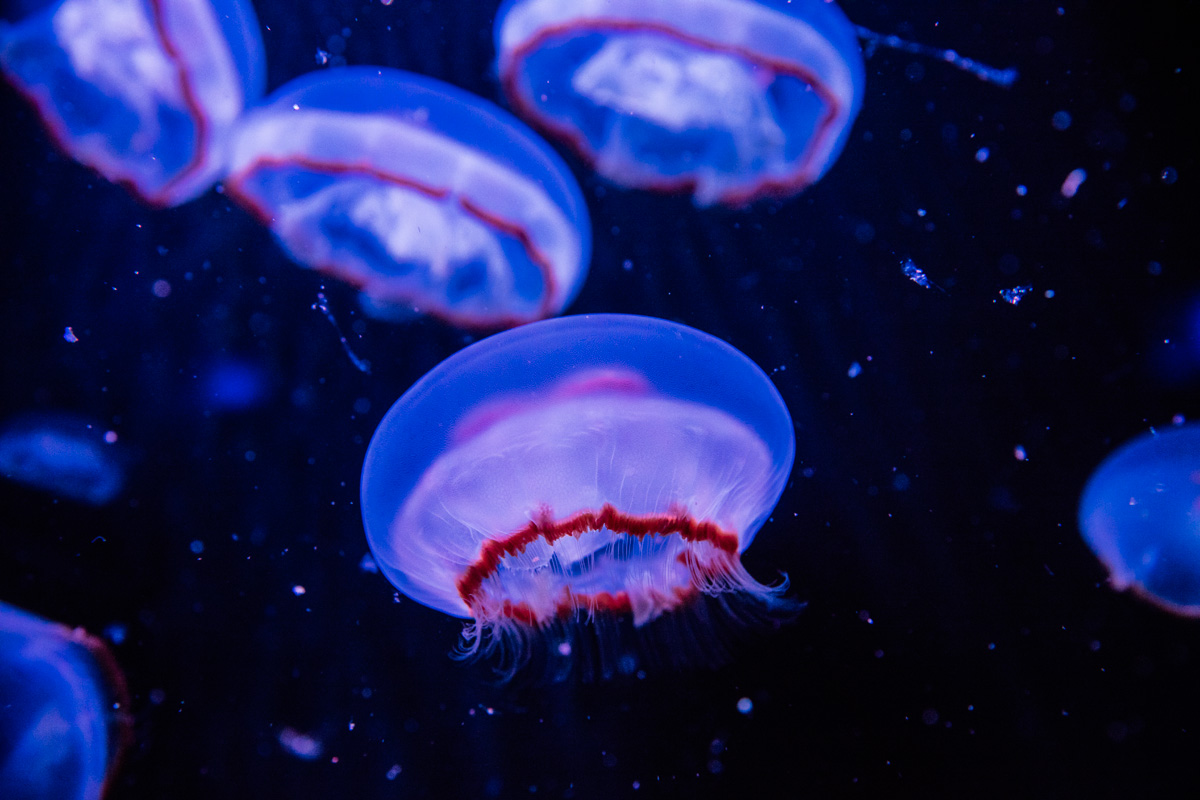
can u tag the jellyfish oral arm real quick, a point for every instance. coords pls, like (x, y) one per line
(679, 546)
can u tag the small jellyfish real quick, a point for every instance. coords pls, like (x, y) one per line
(62, 454)
(145, 93)
(576, 469)
(728, 99)
(1140, 514)
(426, 198)
(63, 722)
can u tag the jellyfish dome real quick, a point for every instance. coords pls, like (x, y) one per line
(62, 454)
(426, 198)
(731, 100)
(1140, 514)
(63, 725)
(144, 92)
(575, 468)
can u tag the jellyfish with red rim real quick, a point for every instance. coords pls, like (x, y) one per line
(574, 470)
(426, 198)
(145, 92)
(731, 100)
(64, 723)
(1140, 514)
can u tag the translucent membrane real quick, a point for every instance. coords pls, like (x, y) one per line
(64, 723)
(145, 92)
(428, 199)
(1140, 514)
(61, 454)
(728, 99)
(574, 467)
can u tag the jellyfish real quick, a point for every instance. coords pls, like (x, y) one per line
(1140, 514)
(62, 454)
(145, 92)
(728, 99)
(64, 724)
(574, 470)
(426, 198)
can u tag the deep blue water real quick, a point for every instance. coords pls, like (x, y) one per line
(959, 635)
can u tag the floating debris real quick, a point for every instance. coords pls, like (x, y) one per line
(1013, 296)
(322, 305)
(918, 276)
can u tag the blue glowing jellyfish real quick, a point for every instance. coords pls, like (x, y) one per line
(144, 92)
(577, 468)
(62, 454)
(428, 199)
(1140, 513)
(729, 99)
(62, 710)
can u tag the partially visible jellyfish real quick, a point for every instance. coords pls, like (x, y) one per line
(61, 454)
(145, 92)
(1140, 513)
(426, 198)
(729, 99)
(575, 470)
(63, 723)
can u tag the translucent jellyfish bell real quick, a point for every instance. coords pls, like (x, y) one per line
(730, 99)
(144, 93)
(572, 468)
(428, 199)
(63, 722)
(62, 454)
(1140, 514)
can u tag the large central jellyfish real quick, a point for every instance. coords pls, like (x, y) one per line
(574, 469)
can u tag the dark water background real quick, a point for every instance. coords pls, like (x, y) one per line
(995, 659)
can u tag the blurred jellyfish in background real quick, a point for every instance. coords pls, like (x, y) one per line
(63, 722)
(1175, 327)
(577, 471)
(1140, 513)
(232, 384)
(145, 93)
(63, 455)
(728, 99)
(428, 199)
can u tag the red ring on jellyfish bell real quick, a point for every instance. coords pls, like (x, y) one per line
(261, 211)
(544, 527)
(61, 136)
